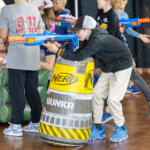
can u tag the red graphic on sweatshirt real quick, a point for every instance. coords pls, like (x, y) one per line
(26, 25)
(20, 22)
(31, 20)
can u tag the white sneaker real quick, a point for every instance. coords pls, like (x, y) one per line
(13, 130)
(31, 128)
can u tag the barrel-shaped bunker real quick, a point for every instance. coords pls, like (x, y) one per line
(67, 113)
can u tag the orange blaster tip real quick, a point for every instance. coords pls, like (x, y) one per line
(16, 38)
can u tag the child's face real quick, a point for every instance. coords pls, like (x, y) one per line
(58, 5)
(121, 4)
(83, 34)
(101, 4)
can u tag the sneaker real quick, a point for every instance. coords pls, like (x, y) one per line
(119, 135)
(31, 128)
(13, 130)
(133, 90)
(106, 117)
(97, 134)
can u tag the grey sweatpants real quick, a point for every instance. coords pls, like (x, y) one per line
(113, 86)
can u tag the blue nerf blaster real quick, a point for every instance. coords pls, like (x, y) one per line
(39, 39)
(135, 22)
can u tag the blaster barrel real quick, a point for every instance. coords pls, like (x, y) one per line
(16, 39)
(134, 22)
(144, 20)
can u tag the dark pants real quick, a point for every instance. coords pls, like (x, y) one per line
(139, 81)
(24, 83)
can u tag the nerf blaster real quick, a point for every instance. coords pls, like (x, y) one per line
(135, 22)
(66, 20)
(39, 39)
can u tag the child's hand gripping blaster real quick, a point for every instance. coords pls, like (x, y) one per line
(39, 39)
(135, 22)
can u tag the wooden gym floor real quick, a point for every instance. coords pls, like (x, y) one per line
(137, 121)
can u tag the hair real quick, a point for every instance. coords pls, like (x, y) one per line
(48, 15)
(65, 1)
(113, 3)
(79, 23)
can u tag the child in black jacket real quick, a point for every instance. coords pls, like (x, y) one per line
(115, 61)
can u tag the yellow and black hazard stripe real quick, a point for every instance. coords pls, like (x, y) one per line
(68, 133)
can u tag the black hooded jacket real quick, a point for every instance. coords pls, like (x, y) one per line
(110, 19)
(109, 53)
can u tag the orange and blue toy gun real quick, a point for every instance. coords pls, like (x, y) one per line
(39, 39)
(66, 20)
(134, 22)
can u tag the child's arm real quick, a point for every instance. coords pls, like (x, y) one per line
(3, 34)
(49, 62)
(3, 25)
(130, 31)
(144, 37)
(3, 46)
